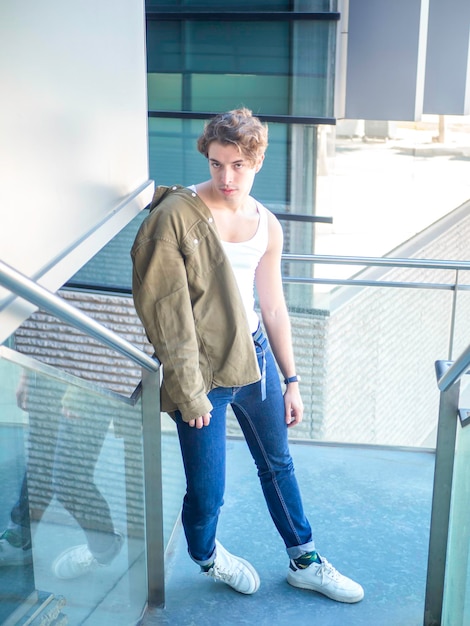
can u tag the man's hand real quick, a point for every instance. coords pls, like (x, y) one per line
(201, 421)
(22, 392)
(293, 405)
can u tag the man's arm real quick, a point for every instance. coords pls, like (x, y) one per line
(276, 318)
(162, 301)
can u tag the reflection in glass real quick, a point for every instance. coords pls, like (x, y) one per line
(77, 518)
(16, 569)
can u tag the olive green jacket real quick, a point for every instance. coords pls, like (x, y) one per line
(187, 298)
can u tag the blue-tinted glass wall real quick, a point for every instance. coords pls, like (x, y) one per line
(274, 67)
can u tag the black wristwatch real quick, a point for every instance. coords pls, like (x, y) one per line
(292, 379)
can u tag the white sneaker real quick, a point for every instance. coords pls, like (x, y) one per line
(78, 561)
(325, 579)
(12, 555)
(234, 571)
(74, 562)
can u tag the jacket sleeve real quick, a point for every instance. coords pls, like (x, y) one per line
(162, 301)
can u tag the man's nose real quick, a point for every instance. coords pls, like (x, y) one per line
(227, 176)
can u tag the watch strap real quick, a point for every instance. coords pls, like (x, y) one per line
(292, 379)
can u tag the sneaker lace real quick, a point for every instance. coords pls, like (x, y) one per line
(219, 573)
(327, 570)
(83, 556)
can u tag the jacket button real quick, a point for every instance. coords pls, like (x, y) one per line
(196, 241)
(193, 194)
(173, 188)
(210, 220)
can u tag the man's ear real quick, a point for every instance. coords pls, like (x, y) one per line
(259, 163)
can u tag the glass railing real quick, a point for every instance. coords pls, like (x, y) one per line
(365, 351)
(368, 347)
(72, 496)
(456, 601)
(447, 600)
(367, 366)
(83, 525)
(83, 529)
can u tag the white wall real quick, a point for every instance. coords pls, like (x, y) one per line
(73, 135)
(447, 87)
(386, 59)
(402, 58)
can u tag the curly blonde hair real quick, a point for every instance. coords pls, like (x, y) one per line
(238, 127)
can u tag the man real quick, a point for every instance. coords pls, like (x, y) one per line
(197, 258)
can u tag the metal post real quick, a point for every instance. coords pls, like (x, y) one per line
(453, 314)
(441, 500)
(151, 433)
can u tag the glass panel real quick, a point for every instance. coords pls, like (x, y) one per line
(314, 50)
(366, 358)
(230, 91)
(111, 267)
(315, 5)
(462, 315)
(456, 604)
(221, 65)
(166, 89)
(174, 158)
(16, 569)
(79, 496)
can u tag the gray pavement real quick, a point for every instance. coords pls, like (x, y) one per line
(383, 191)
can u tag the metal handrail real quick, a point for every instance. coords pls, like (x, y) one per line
(379, 261)
(34, 293)
(338, 260)
(462, 364)
(27, 289)
(455, 371)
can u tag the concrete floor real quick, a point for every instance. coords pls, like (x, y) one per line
(370, 511)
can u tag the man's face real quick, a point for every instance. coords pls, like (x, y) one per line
(231, 172)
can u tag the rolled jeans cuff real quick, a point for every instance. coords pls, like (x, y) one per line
(296, 551)
(203, 563)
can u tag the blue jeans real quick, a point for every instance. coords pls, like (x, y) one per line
(203, 450)
(63, 452)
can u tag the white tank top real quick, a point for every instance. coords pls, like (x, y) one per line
(244, 257)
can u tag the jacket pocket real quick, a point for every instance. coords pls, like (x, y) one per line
(202, 248)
